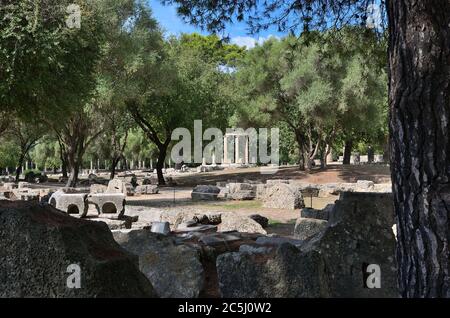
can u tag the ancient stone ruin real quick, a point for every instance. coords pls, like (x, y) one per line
(51, 242)
(189, 253)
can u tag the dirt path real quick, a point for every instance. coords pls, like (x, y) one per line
(334, 173)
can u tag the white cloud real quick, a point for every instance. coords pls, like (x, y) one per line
(250, 42)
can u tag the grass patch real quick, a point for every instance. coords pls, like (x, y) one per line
(241, 205)
(277, 222)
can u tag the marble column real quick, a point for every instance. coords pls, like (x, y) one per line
(236, 145)
(225, 149)
(246, 150)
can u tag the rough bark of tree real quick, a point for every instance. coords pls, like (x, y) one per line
(347, 151)
(118, 150)
(19, 167)
(75, 155)
(160, 163)
(63, 158)
(114, 163)
(324, 160)
(419, 101)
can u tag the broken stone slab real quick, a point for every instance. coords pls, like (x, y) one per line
(381, 210)
(311, 213)
(329, 189)
(198, 228)
(176, 217)
(261, 220)
(9, 186)
(182, 238)
(141, 226)
(260, 191)
(214, 218)
(116, 186)
(251, 249)
(146, 189)
(283, 272)
(306, 228)
(98, 188)
(24, 194)
(283, 196)
(219, 239)
(239, 186)
(175, 271)
(234, 222)
(191, 223)
(241, 191)
(70, 203)
(203, 168)
(53, 245)
(108, 203)
(272, 182)
(161, 228)
(275, 240)
(364, 185)
(149, 181)
(359, 234)
(129, 178)
(23, 185)
(205, 193)
(383, 188)
(114, 224)
(242, 195)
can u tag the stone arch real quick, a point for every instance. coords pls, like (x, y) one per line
(109, 207)
(73, 209)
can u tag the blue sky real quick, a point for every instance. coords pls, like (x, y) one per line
(173, 24)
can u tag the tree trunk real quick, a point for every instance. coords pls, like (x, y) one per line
(386, 151)
(303, 160)
(74, 159)
(63, 158)
(347, 151)
(19, 167)
(324, 160)
(307, 160)
(419, 101)
(64, 168)
(73, 177)
(114, 163)
(160, 163)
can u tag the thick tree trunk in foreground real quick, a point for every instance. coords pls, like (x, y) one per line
(347, 151)
(419, 100)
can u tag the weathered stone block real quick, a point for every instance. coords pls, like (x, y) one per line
(108, 203)
(283, 196)
(205, 193)
(306, 228)
(38, 244)
(174, 271)
(285, 273)
(71, 203)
